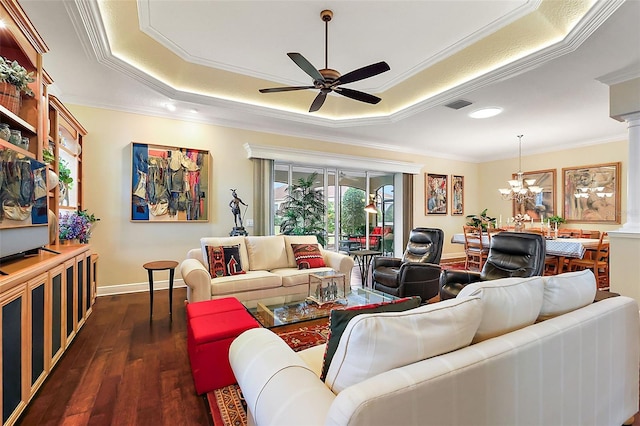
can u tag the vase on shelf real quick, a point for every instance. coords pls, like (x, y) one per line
(70, 242)
(519, 227)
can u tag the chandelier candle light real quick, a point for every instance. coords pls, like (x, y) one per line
(520, 189)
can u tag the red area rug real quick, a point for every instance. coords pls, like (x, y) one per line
(227, 406)
(452, 265)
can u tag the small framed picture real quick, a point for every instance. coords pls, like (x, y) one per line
(457, 195)
(435, 194)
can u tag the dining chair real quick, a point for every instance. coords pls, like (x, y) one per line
(597, 261)
(475, 250)
(569, 233)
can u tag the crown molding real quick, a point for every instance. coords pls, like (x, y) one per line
(300, 156)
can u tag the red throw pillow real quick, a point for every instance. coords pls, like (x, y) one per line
(224, 261)
(339, 318)
(307, 256)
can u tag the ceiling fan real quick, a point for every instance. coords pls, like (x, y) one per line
(328, 80)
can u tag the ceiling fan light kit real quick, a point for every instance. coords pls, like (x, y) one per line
(328, 80)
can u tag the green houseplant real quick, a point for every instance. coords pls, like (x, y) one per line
(480, 220)
(303, 209)
(13, 73)
(556, 219)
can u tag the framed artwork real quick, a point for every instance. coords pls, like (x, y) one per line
(457, 195)
(544, 205)
(592, 193)
(169, 184)
(435, 194)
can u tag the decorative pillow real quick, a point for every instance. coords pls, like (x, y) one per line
(339, 318)
(308, 256)
(374, 343)
(266, 252)
(508, 304)
(567, 292)
(224, 261)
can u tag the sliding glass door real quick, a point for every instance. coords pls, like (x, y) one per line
(346, 193)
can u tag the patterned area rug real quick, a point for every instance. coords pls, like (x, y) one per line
(452, 265)
(227, 406)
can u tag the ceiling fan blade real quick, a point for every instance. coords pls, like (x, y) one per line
(285, 89)
(362, 73)
(318, 101)
(306, 66)
(357, 95)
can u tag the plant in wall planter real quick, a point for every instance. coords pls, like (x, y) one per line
(66, 181)
(14, 80)
(303, 209)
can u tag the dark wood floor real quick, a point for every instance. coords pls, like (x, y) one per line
(123, 369)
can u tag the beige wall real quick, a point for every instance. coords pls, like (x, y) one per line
(124, 246)
(495, 174)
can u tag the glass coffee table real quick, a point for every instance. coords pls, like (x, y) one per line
(284, 310)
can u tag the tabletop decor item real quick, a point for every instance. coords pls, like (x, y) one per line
(519, 220)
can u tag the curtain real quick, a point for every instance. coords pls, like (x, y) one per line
(407, 207)
(262, 196)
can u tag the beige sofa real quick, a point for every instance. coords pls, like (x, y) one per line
(530, 351)
(270, 267)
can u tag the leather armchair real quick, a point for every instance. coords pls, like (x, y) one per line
(418, 272)
(512, 254)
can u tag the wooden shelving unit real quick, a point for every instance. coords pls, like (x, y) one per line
(65, 140)
(45, 298)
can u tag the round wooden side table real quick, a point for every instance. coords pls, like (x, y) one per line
(160, 265)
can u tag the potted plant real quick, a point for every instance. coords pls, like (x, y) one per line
(481, 220)
(556, 219)
(14, 80)
(76, 226)
(303, 209)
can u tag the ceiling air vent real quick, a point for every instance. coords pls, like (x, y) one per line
(459, 104)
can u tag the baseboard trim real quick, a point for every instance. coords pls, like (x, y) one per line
(111, 290)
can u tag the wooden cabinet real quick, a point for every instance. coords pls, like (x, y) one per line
(44, 302)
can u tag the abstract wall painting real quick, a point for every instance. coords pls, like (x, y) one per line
(436, 194)
(169, 184)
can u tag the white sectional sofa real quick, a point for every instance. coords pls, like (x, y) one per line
(269, 264)
(533, 351)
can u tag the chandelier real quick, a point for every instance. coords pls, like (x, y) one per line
(520, 189)
(592, 189)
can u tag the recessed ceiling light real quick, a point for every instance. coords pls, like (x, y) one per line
(485, 112)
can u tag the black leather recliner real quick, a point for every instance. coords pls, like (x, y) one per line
(418, 272)
(512, 254)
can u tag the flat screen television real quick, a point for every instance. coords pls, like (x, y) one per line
(23, 203)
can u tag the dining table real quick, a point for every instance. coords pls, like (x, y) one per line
(560, 247)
